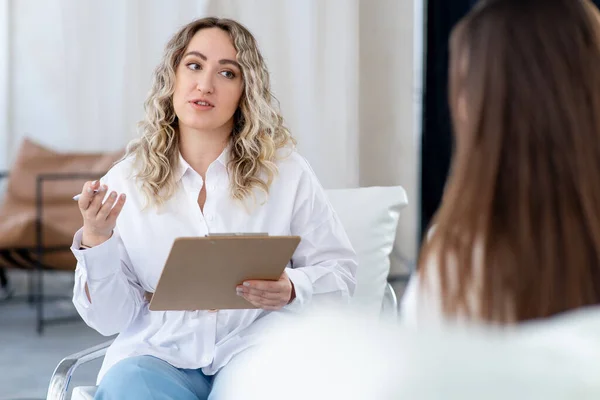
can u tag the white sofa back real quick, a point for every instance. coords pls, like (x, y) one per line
(344, 356)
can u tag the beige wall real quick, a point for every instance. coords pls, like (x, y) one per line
(389, 147)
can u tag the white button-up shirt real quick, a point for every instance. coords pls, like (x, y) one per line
(120, 270)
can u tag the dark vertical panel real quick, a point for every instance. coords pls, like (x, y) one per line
(436, 144)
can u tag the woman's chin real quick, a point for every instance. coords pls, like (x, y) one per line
(201, 126)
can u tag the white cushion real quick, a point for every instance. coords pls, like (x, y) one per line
(370, 216)
(84, 393)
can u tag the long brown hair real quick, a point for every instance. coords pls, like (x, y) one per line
(518, 230)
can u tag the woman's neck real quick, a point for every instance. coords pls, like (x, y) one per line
(200, 149)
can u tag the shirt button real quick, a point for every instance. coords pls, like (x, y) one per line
(209, 217)
(205, 360)
(212, 187)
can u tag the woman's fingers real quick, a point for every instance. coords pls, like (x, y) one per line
(261, 293)
(261, 302)
(96, 203)
(99, 211)
(87, 194)
(116, 210)
(106, 207)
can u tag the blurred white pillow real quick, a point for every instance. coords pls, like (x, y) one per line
(339, 356)
(370, 217)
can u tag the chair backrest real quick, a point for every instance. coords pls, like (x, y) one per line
(370, 216)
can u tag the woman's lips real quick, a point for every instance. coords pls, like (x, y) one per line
(202, 105)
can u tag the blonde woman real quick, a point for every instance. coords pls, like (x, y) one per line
(213, 156)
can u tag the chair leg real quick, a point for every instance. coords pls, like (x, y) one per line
(6, 292)
(3, 278)
(31, 286)
(40, 301)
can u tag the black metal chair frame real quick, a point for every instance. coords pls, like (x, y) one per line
(35, 267)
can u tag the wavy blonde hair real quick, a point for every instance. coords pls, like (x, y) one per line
(258, 130)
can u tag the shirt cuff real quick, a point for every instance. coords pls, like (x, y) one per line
(99, 262)
(303, 288)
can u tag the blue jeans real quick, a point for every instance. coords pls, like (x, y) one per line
(150, 378)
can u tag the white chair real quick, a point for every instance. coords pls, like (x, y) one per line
(370, 217)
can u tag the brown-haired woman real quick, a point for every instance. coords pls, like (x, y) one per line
(517, 236)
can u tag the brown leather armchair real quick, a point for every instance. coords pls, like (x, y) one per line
(38, 216)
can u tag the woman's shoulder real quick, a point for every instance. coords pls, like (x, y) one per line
(121, 173)
(291, 163)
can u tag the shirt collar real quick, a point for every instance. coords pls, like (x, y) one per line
(183, 165)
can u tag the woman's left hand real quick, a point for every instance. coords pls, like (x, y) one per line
(268, 295)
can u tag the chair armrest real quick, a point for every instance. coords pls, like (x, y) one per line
(60, 176)
(389, 306)
(59, 383)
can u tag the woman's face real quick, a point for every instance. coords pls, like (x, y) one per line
(208, 82)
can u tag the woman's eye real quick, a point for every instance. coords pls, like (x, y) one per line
(228, 74)
(194, 66)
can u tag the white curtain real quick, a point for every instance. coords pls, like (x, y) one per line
(342, 70)
(5, 28)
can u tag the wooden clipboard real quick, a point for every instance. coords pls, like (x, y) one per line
(202, 273)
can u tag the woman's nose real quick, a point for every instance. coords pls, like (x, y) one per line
(205, 83)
